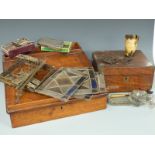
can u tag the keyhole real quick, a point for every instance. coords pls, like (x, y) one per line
(126, 79)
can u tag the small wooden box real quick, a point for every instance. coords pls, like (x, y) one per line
(35, 108)
(125, 76)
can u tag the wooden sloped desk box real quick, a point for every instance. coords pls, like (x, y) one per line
(35, 108)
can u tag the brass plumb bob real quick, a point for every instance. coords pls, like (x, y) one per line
(131, 43)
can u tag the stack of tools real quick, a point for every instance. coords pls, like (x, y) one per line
(62, 83)
(20, 46)
(53, 45)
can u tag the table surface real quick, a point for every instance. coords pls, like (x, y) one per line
(113, 120)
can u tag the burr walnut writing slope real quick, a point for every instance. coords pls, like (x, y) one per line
(123, 74)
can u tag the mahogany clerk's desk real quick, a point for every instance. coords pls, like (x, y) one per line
(35, 108)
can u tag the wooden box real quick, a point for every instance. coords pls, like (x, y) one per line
(35, 108)
(128, 74)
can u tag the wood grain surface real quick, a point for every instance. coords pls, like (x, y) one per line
(34, 108)
(123, 77)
